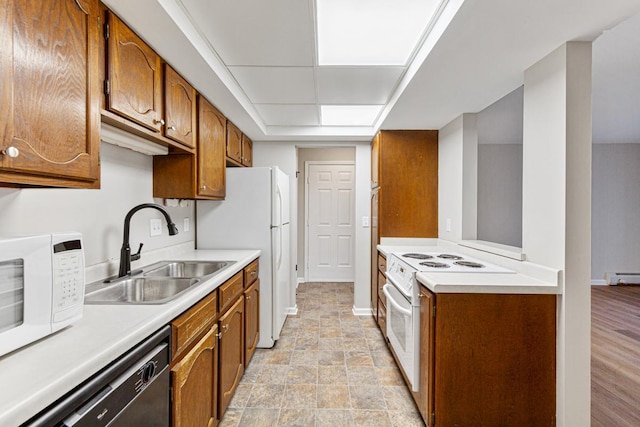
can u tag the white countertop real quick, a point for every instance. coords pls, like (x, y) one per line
(35, 376)
(485, 283)
(527, 278)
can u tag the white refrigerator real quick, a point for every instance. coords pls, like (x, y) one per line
(255, 215)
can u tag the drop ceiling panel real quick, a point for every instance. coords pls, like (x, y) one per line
(289, 115)
(361, 85)
(277, 85)
(256, 32)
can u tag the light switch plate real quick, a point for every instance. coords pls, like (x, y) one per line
(155, 227)
(186, 224)
(365, 221)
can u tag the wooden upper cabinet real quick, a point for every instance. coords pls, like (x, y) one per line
(50, 92)
(408, 179)
(211, 150)
(180, 108)
(234, 143)
(134, 75)
(247, 151)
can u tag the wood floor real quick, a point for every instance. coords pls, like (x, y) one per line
(615, 356)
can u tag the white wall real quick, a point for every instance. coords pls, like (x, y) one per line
(284, 155)
(500, 193)
(556, 214)
(98, 214)
(615, 225)
(500, 128)
(457, 179)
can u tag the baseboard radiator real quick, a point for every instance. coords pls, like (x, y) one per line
(622, 278)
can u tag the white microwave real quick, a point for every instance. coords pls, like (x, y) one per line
(41, 286)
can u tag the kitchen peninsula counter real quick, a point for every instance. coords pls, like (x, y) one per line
(35, 376)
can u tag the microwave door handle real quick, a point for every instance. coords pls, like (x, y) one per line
(393, 301)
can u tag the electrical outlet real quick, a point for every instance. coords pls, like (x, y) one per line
(448, 226)
(186, 224)
(365, 221)
(155, 227)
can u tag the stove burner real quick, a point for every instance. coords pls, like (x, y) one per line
(417, 256)
(469, 264)
(433, 264)
(449, 256)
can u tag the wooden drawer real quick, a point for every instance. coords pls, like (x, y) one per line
(382, 263)
(230, 290)
(381, 281)
(251, 273)
(193, 323)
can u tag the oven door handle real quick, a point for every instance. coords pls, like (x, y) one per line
(385, 290)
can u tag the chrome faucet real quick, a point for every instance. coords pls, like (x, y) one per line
(125, 252)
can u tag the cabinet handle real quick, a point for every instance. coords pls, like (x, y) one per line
(219, 335)
(11, 151)
(173, 128)
(204, 187)
(155, 121)
(248, 298)
(225, 328)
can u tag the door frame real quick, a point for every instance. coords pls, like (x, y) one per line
(306, 207)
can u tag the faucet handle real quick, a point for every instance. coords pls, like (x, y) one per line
(136, 256)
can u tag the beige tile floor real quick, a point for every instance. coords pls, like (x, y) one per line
(329, 368)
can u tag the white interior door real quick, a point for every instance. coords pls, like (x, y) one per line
(330, 222)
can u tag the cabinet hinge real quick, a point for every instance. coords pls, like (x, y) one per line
(106, 31)
(433, 311)
(107, 87)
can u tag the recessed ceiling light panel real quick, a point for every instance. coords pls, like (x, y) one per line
(349, 115)
(371, 32)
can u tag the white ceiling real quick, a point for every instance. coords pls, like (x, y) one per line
(256, 61)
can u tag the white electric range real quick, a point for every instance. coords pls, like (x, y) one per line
(402, 292)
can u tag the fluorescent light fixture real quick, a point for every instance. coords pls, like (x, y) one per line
(349, 115)
(371, 32)
(113, 135)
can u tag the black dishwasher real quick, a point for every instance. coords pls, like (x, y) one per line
(132, 391)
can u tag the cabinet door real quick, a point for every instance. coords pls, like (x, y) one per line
(180, 108)
(247, 151)
(231, 348)
(194, 382)
(134, 72)
(211, 150)
(49, 92)
(234, 143)
(427, 347)
(251, 320)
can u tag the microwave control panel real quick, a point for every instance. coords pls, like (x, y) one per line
(68, 278)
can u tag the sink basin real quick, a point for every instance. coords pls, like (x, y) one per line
(140, 290)
(187, 268)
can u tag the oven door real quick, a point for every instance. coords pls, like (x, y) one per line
(403, 332)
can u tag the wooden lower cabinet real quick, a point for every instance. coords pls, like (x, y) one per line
(252, 320)
(231, 352)
(487, 359)
(194, 382)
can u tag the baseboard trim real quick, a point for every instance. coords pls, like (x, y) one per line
(598, 282)
(361, 311)
(292, 311)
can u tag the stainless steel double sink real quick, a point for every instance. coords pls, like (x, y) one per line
(157, 283)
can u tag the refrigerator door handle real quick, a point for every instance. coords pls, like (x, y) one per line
(279, 194)
(279, 262)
